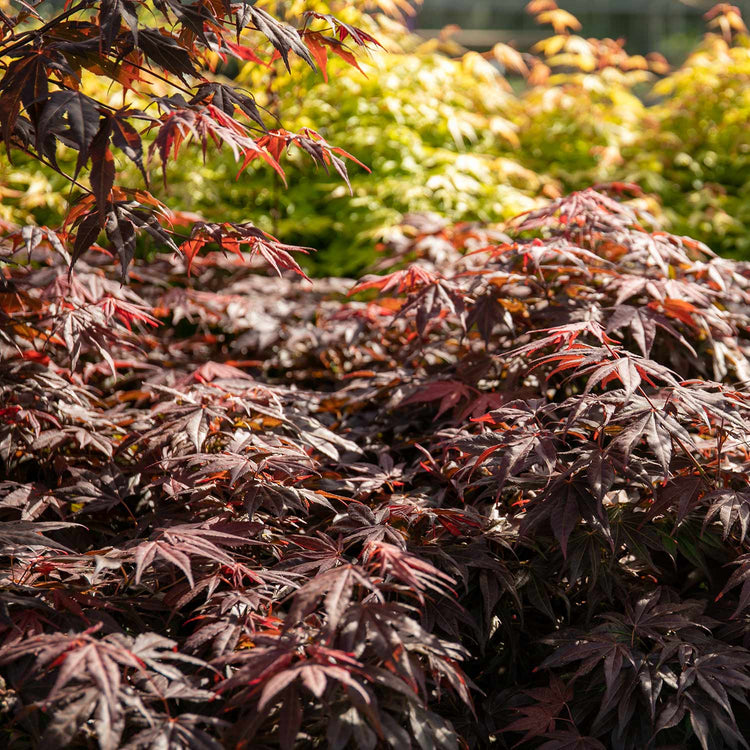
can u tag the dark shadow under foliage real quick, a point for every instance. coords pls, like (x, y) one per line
(503, 504)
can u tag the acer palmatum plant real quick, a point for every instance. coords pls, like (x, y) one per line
(493, 495)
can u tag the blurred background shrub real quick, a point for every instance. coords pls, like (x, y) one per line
(439, 134)
(476, 137)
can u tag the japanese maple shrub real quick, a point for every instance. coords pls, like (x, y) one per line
(505, 502)
(494, 495)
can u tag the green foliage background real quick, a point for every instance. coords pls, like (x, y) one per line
(447, 133)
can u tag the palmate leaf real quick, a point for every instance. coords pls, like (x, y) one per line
(337, 585)
(344, 30)
(111, 15)
(651, 617)
(78, 711)
(642, 324)
(449, 392)
(232, 237)
(179, 545)
(659, 428)
(421, 577)
(391, 634)
(127, 138)
(259, 469)
(125, 217)
(194, 18)
(314, 677)
(504, 454)
(72, 117)
(540, 718)
(270, 146)
(26, 534)
(434, 303)
(565, 337)
(208, 122)
(563, 505)
(24, 84)
(181, 732)
(228, 99)
(732, 508)
(87, 328)
(163, 49)
(319, 45)
(407, 280)
(91, 677)
(283, 37)
(604, 364)
(679, 497)
(361, 525)
(322, 671)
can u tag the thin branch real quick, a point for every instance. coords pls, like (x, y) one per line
(49, 164)
(23, 39)
(161, 78)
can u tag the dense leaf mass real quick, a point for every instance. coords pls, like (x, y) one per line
(493, 495)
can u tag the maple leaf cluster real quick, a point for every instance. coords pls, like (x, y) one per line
(493, 494)
(164, 58)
